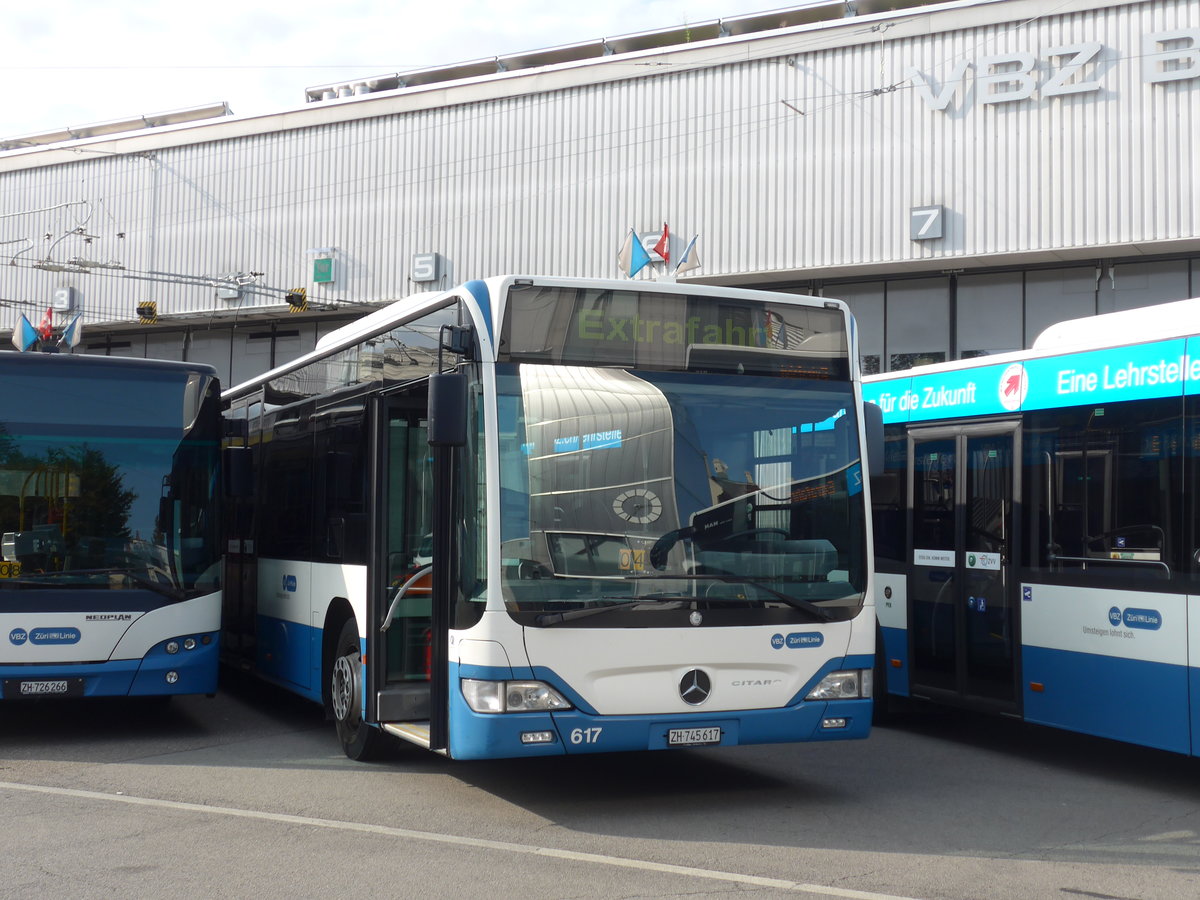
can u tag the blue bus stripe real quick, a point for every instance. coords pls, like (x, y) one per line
(479, 290)
(1124, 699)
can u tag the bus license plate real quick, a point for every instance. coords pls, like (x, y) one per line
(43, 687)
(693, 737)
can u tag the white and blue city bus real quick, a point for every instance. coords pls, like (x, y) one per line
(1037, 529)
(109, 515)
(535, 516)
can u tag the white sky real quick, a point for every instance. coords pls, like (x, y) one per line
(78, 62)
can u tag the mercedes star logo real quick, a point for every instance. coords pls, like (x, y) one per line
(695, 687)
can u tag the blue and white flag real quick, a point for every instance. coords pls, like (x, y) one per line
(24, 334)
(72, 333)
(632, 257)
(690, 258)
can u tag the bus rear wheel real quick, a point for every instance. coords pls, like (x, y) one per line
(359, 740)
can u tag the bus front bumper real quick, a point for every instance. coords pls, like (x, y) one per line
(160, 672)
(493, 736)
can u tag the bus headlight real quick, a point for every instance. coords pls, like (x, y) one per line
(511, 696)
(853, 684)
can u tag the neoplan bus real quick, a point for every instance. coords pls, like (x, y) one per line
(1037, 529)
(109, 490)
(535, 516)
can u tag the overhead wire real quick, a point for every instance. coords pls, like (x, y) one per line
(417, 176)
(549, 152)
(495, 163)
(733, 57)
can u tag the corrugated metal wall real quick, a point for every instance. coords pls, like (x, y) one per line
(809, 159)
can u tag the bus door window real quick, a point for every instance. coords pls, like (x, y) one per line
(988, 614)
(409, 539)
(932, 588)
(471, 564)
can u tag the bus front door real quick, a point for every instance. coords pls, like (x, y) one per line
(963, 606)
(401, 639)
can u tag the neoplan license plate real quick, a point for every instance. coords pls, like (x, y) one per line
(42, 687)
(694, 737)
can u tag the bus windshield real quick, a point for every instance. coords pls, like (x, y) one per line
(108, 479)
(654, 496)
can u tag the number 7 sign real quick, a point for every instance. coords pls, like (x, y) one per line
(925, 222)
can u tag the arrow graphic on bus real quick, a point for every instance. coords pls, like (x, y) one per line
(1013, 385)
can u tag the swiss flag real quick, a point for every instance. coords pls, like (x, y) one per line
(663, 247)
(46, 327)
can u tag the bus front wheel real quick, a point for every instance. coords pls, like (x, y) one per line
(359, 740)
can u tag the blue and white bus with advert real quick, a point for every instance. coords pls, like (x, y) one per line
(109, 492)
(533, 516)
(1037, 529)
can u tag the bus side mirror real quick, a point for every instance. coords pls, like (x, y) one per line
(237, 472)
(873, 424)
(447, 410)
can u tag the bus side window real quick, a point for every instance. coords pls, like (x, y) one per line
(286, 486)
(1103, 482)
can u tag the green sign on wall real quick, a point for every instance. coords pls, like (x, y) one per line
(322, 271)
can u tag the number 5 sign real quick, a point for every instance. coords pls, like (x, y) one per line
(426, 267)
(925, 222)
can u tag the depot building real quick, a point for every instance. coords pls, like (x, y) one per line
(963, 174)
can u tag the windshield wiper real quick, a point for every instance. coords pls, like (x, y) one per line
(819, 612)
(48, 579)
